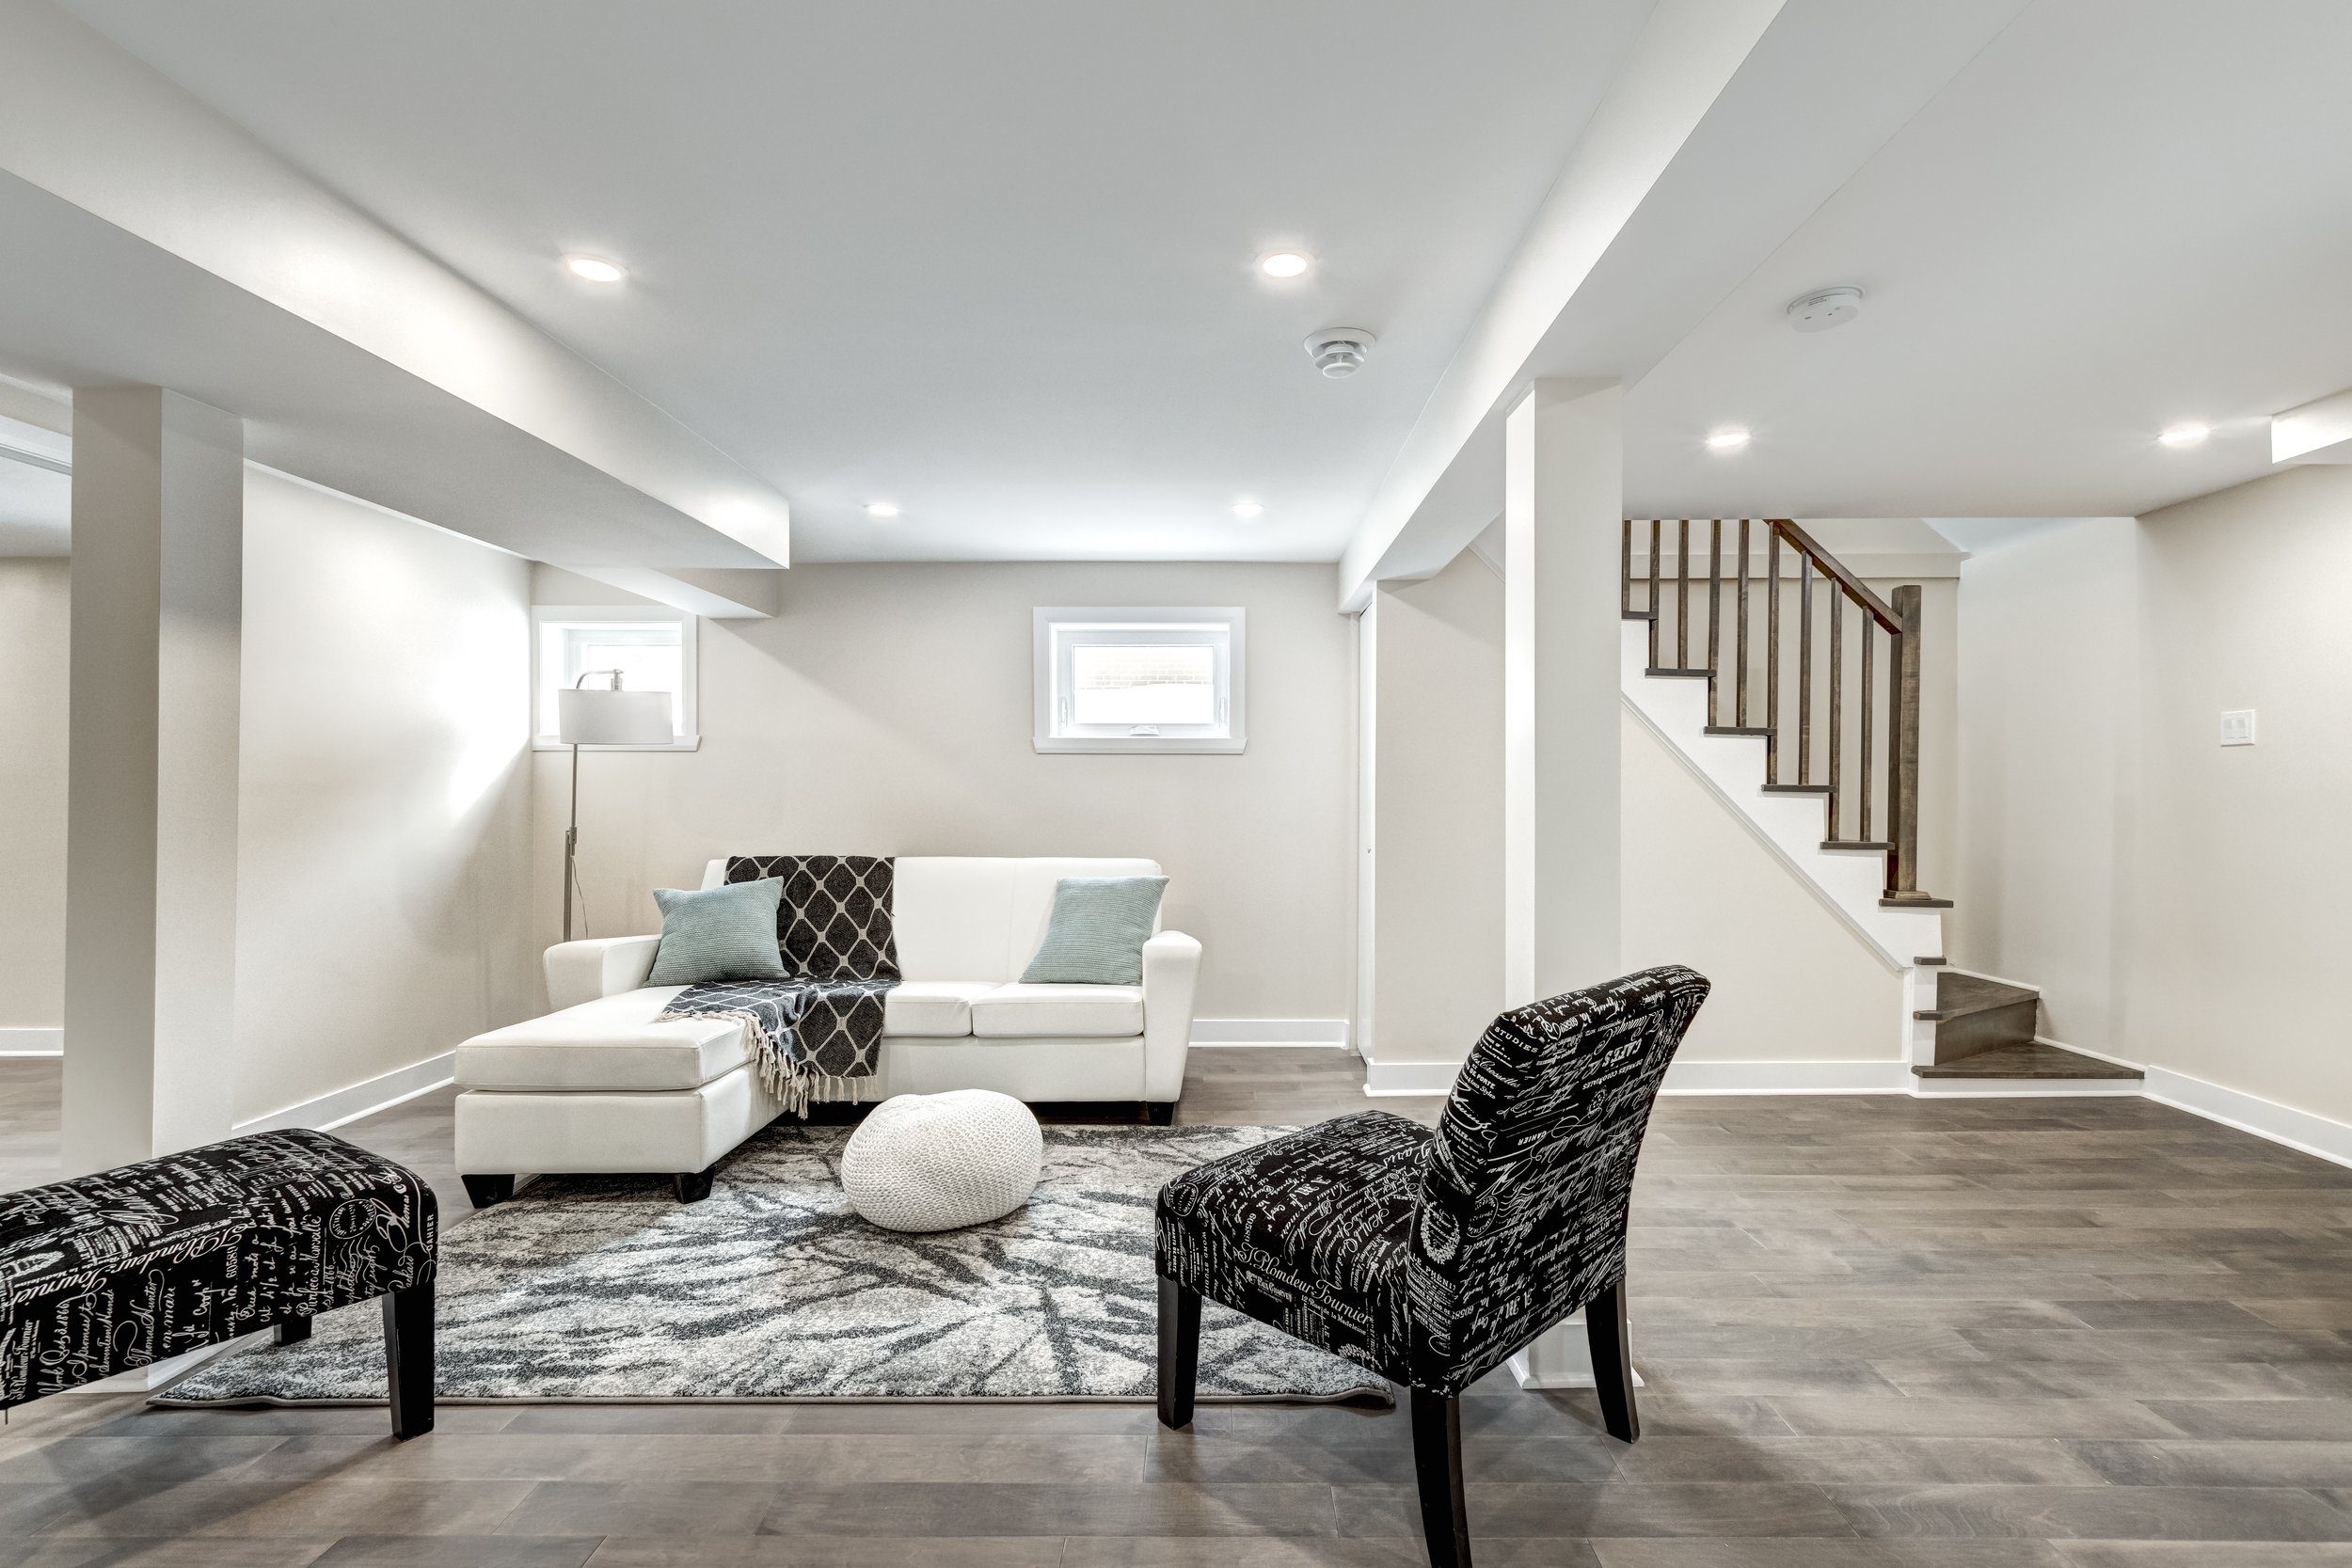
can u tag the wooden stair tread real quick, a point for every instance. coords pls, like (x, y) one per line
(1738, 729)
(1915, 903)
(1796, 789)
(2032, 1059)
(1666, 673)
(1959, 995)
(1856, 846)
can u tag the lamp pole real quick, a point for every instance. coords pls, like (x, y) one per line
(571, 833)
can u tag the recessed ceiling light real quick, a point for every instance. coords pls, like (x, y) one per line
(1247, 510)
(1731, 439)
(596, 268)
(2187, 434)
(881, 509)
(1283, 263)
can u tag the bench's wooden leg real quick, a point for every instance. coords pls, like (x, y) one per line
(1180, 1352)
(408, 1358)
(487, 1190)
(692, 1186)
(1613, 1362)
(1437, 1467)
(290, 1331)
(1160, 1113)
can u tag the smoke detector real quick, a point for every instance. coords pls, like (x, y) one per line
(1338, 350)
(1824, 309)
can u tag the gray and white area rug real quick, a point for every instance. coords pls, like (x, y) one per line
(587, 1288)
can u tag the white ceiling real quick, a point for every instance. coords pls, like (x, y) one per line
(2122, 216)
(991, 262)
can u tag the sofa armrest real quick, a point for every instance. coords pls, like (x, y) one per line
(597, 966)
(1171, 973)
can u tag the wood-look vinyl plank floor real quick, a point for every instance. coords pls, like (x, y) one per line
(1877, 1332)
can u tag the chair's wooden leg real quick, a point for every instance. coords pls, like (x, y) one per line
(1438, 1467)
(1160, 1113)
(408, 1358)
(1179, 1350)
(1613, 1362)
(290, 1331)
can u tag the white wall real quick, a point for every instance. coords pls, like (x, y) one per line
(2232, 899)
(383, 858)
(887, 711)
(2049, 673)
(35, 605)
(1792, 982)
(1436, 760)
(2180, 903)
(383, 906)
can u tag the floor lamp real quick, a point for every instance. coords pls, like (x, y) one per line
(603, 716)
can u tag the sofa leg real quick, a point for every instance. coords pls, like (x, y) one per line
(1438, 1467)
(1612, 1363)
(290, 1331)
(487, 1190)
(408, 1358)
(1180, 1352)
(692, 1186)
(1160, 1113)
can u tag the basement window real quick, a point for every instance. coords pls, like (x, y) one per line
(651, 645)
(1139, 679)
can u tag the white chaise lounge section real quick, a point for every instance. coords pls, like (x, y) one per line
(599, 1085)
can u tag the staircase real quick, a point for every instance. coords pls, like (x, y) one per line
(1768, 685)
(1983, 1029)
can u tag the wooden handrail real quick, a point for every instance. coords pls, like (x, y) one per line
(1856, 588)
(1888, 746)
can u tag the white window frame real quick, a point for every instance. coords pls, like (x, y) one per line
(1058, 629)
(689, 737)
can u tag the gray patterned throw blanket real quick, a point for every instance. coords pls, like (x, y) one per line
(817, 1033)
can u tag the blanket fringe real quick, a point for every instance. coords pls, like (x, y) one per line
(790, 1082)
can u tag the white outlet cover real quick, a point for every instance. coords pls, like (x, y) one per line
(2237, 727)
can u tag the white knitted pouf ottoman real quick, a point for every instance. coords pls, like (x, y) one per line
(936, 1162)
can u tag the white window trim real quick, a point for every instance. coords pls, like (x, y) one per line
(689, 711)
(1043, 675)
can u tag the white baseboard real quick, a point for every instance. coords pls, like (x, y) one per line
(1271, 1030)
(330, 1111)
(2024, 1088)
(32, 1042)
(1387, 1078)
(1788, 1078)
(1560, 1357)
(1425, 1078)
(2314, 1134)
(2085, 1051)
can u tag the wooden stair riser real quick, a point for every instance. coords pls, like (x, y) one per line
(1985, 1030)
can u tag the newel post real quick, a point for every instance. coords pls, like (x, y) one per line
(1903, 795)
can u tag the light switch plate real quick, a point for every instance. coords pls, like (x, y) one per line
(2237, 727)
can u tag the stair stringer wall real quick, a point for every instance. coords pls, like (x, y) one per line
(1791, 828)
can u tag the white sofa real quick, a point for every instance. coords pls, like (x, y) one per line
(597, 1085)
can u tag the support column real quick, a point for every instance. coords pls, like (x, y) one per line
(1563, 506)
(152, 788)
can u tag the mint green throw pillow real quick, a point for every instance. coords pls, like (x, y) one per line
(1096, 934)
(720, 933)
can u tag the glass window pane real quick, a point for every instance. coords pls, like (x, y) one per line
(1143, 684)
(647, 652)
(644, 667)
